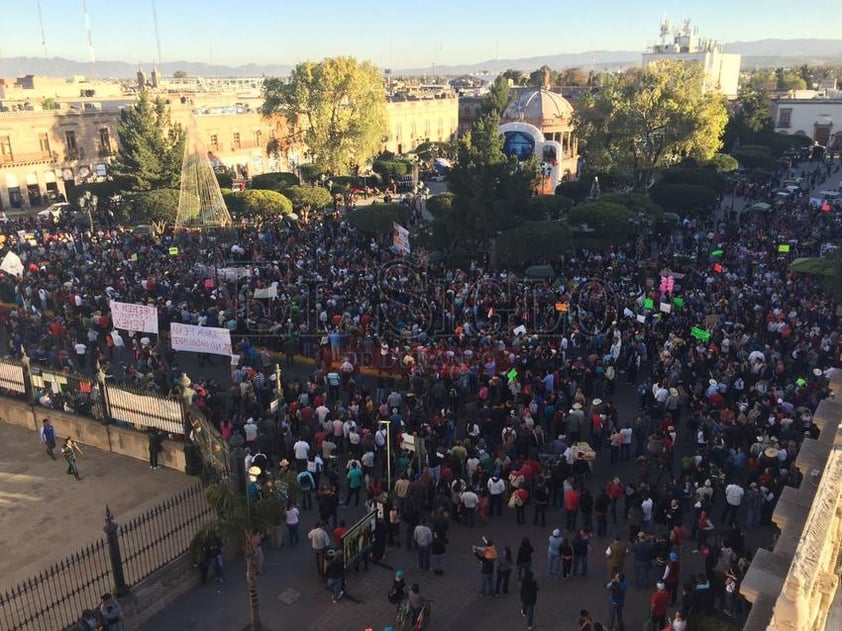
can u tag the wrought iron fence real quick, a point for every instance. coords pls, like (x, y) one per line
(152, 540)
(55, 597)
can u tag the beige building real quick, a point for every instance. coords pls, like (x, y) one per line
(43, 151)
(413, 122)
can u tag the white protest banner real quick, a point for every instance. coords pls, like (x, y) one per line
(200, 339)
(12, 264)
(400, 238)
(266, 292)
(132, 317)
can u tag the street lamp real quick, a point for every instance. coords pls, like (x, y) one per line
(388, 424)
(87, 203)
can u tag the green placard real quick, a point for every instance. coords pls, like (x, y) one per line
(678, 302)
(173, 251)
(783, 248)
(700, 334)
(717, 253)
(512, 374)
(648, 304)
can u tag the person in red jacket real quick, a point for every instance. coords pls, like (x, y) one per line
(659, 605)
(571, 506)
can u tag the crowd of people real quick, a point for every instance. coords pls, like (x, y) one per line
(496, 391)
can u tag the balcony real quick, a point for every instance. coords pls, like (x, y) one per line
(17, 158)
(75, 154)
(105, 152)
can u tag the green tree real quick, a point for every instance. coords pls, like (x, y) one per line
(517, 77)
(160, 205)
(683, 197)
(695, 176)
(754, 156)
(378, 218)
(789, 80)
(308, 198)
(257, 202)
(236, 518)
(532, 242)
(723, 163)
(179, 74)
(649, 118)
(573, 77)
(498, 98)
(151, 146)
(636, 203)
(440, 205)
(541, 77)
(278, 181)
(610, 221)
(339, 106)
(490, 189)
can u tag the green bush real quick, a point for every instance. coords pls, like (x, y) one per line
(723, 163)
(308, 198)
(754, 157)
(439, 205)
(576, 190)
(542, 207)
(278, 181)
(609, 220)
(683, 198)
(531, 242)
(259, 202)
(159, 205)
(225, 180)
(696, 177)
(309, 172)
(378, 218)
(636, 202)
(391, 168)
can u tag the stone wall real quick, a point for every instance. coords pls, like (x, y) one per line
(793, 586)
(90, 432)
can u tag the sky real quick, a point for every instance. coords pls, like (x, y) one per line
(390, 33)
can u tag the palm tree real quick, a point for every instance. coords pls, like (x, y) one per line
(237, 518)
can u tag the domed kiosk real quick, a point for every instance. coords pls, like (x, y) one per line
(540, 123)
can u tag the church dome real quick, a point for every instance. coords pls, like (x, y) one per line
(541, 108)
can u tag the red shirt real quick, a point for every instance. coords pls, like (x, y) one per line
(571, 500)
(338, 533)
(614, 490)
(659, 603)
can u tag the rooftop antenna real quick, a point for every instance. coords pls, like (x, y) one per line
(157, 34)
(43, 35)
(90, 37)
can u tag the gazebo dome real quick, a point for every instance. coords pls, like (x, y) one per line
(542, 108)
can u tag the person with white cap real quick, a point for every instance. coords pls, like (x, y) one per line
(659, 605)
(554, 554)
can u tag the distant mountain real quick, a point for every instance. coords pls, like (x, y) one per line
(60, 67)
(760, 53)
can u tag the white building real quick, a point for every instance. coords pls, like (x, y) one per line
(819, 119)
(721, 69)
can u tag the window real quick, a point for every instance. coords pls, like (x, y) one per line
(5, 149)
(237, 143)
(70, 143)
(44, 143)
(104, 142)
(258, 138)
(785, 118)
(214, 142)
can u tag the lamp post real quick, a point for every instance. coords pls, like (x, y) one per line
(388, 424)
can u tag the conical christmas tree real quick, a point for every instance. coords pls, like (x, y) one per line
(200, 204)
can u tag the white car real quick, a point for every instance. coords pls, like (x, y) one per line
(53, 211)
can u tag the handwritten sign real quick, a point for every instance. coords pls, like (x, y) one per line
(132, 317)
(200, 339)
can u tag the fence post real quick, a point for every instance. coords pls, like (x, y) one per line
(120, 587)
(105, 404)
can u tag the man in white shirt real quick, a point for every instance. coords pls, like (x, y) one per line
(250, 430)
(733, 498)
(496, 488)
(646, 507)
(469, 501)
(301, 449)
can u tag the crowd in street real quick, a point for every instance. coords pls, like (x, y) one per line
(508, 387)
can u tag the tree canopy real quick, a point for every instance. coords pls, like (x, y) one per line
(649, 118)
(277, 181)
(533, 241)
(308, 198)
(337, 106)
(610, 221)
(154, 206)
(257, 202)
(151, 146)
(378, 218)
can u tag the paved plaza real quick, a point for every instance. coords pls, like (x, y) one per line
(46, 515)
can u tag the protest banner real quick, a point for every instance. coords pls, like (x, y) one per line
(400, 238)
(132, 317)
(200, 339)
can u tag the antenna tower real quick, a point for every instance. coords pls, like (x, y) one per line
(157, 34)
(43, 35)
